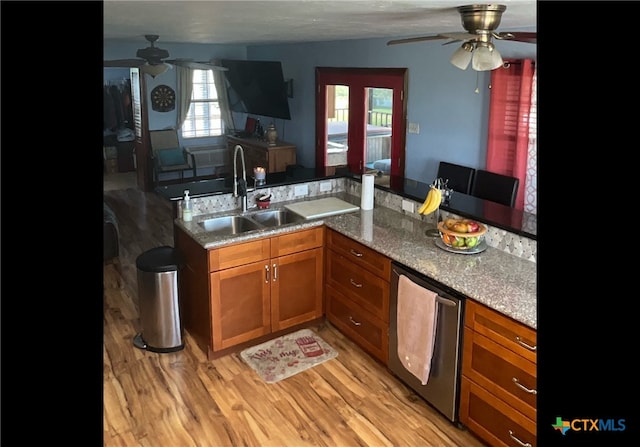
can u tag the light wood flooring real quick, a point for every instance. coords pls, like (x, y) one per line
(183, 399)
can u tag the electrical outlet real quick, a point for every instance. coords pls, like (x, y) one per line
(408, 206)
(301, 190)
(414, 128)
(325, 186)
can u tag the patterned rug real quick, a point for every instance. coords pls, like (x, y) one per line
(290, 354)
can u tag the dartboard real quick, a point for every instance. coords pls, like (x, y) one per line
(163, 98)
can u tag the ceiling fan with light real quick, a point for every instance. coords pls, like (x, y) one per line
(481, 22)
(155, 61)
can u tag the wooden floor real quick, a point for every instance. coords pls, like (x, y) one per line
(183, 399)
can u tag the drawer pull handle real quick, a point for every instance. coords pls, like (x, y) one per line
(275, 272)
(523, 444)
(355, 323)
(522, 387)
(266, 273)
(355, 253)
(355, 284)
(525, 345)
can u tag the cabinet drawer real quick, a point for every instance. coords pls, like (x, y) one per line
(501, 329)
(297, 241)
(238, 254)
(493, 420)
(367, 331)
(503, 373)
(359, 254)
(366, 289)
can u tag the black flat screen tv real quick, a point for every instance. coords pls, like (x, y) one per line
(257, 87)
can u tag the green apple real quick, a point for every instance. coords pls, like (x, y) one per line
(471, 241)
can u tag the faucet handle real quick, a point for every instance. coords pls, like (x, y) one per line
(242, 187)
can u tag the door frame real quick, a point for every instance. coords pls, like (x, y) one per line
(357, 79)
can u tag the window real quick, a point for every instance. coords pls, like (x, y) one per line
(204, 118)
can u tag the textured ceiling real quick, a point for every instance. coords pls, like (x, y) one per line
(275, 21)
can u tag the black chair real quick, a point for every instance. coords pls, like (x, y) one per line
(460, 177)
(495, 187)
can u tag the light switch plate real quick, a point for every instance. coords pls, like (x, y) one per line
(325, 186)
(408, 206)
(301, 190)
(414, 128)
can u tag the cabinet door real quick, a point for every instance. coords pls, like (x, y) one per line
(280, 158)
(360, 255)
(503, 330)
(368, 290)
(367, 331)
(506, 375)
(240, 306)
(492, 420)
(296, 288)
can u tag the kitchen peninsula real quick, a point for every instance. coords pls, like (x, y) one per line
(496, 278)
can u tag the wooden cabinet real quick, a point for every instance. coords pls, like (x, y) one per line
(259, 153)
(498, 386)
(251, 289)
(357, 293)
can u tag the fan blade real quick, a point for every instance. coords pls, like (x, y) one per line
(518, 36)
(131, 63)
(415, 39)
(455, 37)
(196, 64)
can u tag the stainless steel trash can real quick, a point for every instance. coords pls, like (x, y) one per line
(158, 301)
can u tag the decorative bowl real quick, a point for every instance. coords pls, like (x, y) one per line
(263, 204)
(461, 234)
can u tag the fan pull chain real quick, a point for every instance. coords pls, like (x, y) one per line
(476, 91)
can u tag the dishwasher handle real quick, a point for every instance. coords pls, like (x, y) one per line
(439, 299)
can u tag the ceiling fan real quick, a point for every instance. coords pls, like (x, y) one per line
(481, 22)
(155, 61)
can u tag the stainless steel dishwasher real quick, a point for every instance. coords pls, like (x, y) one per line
(443, 387)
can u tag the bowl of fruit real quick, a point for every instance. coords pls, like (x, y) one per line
(461, 234)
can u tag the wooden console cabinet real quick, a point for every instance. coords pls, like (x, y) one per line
(244, 291)
(498, 387)
(259, 153)
(357, 293)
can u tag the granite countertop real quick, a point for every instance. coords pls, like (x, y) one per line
(501, 281)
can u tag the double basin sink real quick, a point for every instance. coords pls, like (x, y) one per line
(257, 220)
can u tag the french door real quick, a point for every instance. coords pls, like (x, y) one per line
(361, 119)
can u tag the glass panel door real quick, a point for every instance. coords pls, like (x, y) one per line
(337, 128)
(379, 108)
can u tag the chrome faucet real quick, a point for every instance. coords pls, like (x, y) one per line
(240, 185)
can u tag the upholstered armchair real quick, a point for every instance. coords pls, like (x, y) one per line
(168, 155)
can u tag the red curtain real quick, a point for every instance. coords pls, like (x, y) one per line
(509, 121)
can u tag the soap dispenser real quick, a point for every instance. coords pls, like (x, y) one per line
(187, 215)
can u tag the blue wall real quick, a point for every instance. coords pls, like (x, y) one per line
(440, 98)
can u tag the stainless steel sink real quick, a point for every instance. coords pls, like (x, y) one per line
(274, 218)
(229, 225)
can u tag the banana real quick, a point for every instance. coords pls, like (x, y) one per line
(434, 203)
(427, 201)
